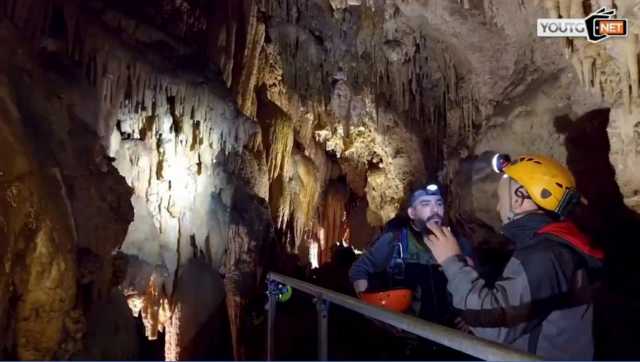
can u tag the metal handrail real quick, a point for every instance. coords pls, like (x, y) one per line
(449, 337)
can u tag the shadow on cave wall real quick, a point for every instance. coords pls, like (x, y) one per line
(613, 226)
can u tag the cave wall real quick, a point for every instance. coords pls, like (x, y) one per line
(53, 168)
(38, 279)
(121, 129)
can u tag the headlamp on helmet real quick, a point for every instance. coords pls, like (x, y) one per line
(429, 190)
(500, 161)
(433, 189)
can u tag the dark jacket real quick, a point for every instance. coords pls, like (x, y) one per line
(420, 272)
(541, 304)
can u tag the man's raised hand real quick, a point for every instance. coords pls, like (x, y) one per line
(442, 243)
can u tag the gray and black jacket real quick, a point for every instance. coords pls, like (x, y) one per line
(541, 304)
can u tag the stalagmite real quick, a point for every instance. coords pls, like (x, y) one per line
(250, 228)
(172, 342)
(151, 305)
(235, 305)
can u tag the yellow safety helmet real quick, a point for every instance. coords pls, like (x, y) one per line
(549, 184)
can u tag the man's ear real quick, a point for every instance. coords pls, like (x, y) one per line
(516, 202)
(521, 200)
(411, 212)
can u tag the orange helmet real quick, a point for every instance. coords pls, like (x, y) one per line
(397, 300)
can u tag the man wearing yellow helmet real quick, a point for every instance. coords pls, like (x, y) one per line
(541, 303)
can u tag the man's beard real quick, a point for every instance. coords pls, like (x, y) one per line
(421, 225)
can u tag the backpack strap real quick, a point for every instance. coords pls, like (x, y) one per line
(404, 243)
(399, 254)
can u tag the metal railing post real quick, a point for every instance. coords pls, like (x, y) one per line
(271, 319)
(323, 328)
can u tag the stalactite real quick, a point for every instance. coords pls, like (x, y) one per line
(280, 146)
(314, 151)
(21, 11)
(577, 64)
(552, 7)
(565, 8)
(71, 17)
(577, 10)
(116, 68)
(489, 10)
(598, 78)
(606, 3)
(307, 188)
(631, 57)
(245, 96)
(402, 79)
(334, 209)
(284, 211)
(151, 309)
(626, 93)
(450, 76)
(587, 68)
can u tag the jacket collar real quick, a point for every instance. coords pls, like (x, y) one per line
(523, 230)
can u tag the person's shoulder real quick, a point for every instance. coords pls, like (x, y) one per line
(547, 244)
(545, 250)
(541, 245)
(396, 224)
(387, 237)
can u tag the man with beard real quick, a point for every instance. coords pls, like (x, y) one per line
(400, 258)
